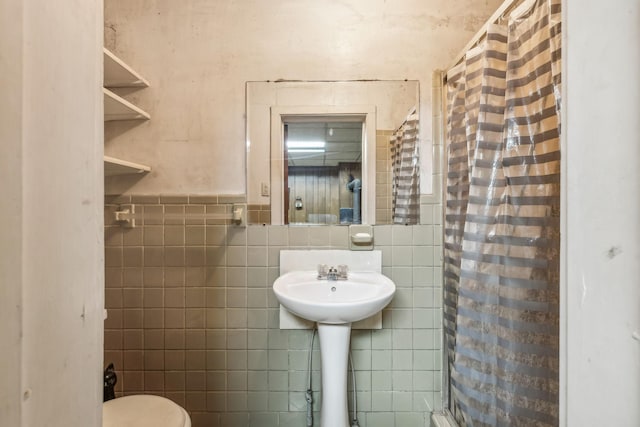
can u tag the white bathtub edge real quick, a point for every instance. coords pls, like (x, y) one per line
(442, 419)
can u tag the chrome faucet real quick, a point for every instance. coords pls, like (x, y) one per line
(332, 273)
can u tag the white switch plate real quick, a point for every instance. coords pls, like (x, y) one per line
(264, 189)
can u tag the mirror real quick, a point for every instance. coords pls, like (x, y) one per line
(276, 111)
(323, 174)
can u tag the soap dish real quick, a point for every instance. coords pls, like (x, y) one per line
(361, 237)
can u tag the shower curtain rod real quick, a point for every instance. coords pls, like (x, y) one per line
(412, 111)
(500, 13)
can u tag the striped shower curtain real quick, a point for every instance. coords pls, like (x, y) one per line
(502, 223)
(457, 197)
(406, 171)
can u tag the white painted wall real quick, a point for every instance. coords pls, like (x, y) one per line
(51, 250)
(601, 231)
(198, 54)
(11, 212)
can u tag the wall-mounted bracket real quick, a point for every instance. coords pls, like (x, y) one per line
(239, 214)
(125, 215)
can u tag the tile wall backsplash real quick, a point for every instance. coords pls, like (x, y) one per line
(384, 177)
(192, 316)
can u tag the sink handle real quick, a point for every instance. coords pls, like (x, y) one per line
(343, 271)
(323, 271)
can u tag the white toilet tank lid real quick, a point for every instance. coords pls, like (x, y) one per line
(143, 410)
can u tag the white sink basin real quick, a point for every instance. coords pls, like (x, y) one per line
(362, 295)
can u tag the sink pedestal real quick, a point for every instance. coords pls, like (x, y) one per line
(334, 351)
(333, 305)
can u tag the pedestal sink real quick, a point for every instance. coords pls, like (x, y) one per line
(334, 305)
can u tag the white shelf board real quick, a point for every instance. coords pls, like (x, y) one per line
(119, 74)
(118, 108)
(113, 167)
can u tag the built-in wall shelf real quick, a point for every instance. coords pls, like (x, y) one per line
(113, 167)
(118, 108)
(119, 74)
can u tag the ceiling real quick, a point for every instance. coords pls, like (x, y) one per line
(342, 142)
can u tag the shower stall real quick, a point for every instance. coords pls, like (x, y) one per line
(502, 222)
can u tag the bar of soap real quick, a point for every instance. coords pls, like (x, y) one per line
(361, 238)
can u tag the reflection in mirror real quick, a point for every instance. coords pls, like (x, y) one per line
(380, 109)
(323, 178)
